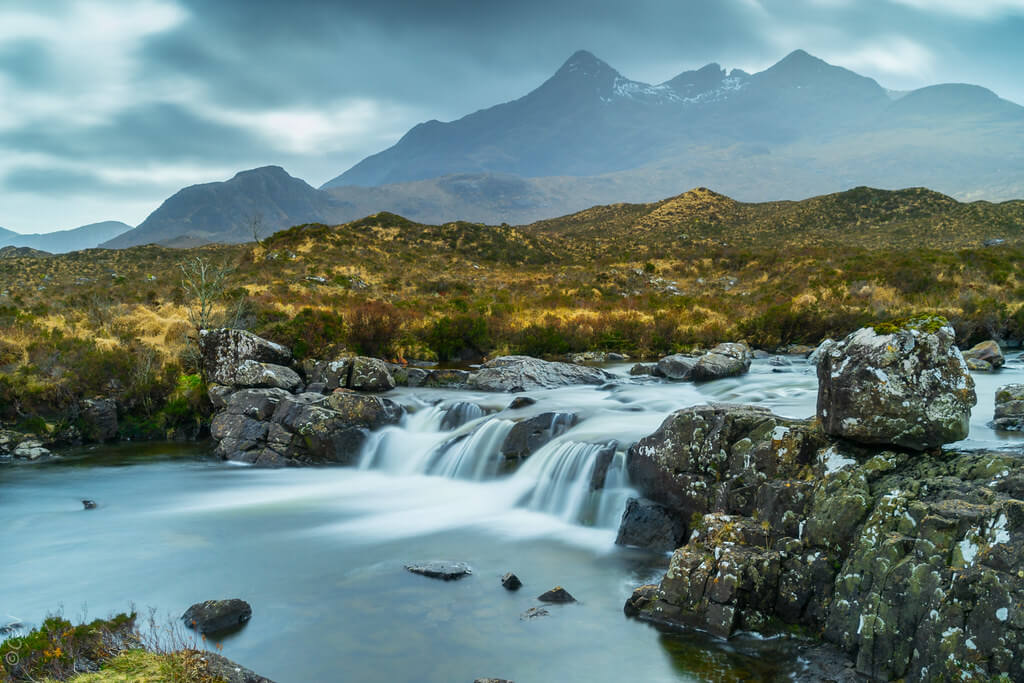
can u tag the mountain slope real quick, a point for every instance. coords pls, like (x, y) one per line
(799, 128)
(227, 211)
(61, 241)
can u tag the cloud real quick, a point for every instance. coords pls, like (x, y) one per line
(897, 55)
(971, 9)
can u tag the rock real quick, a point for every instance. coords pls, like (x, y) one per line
(987, 351)
(603, 459)
(441, 569)
(677, 366)
(223, 669)
(214, 616)
(556, 595)
(493, 680)
(332, 374)
(31, 450)
(643, 369)
(779, 362)
(1009, 413)
(223, 350)
(725, 360)
(511, 582)
(798, 350)
(98, 418)
(459, 414)
(815, 355)
(907, 386)
(89, 504)
(978, 365)
(415, 377)
(370, 374)
(529, 435)
(523, 373)
(251, 373)
(646, 524)
(218, 395)
(521, 402)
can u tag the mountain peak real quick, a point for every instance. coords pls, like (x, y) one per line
(583, 63)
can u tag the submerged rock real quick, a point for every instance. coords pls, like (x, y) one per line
(523, 373)
(214, 616)
(1009, 413)
(533, 613)
(906, 385)
(441, 569)
(521, 402)
(89, 504)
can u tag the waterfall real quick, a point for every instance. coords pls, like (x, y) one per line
(477, 456)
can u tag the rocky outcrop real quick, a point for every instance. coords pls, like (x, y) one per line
(909, 562)
(21, 448)
(724, 360)
(905, 385)
(986, 356)
(214, 616)
(523, 373)
(273, 428)
(1009, 411)
(224, 350)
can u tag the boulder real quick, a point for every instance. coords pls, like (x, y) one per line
(223, 669)
(643, 369)
(529, 435)
(440, 569)
(370, 374)
(1009, 413)
(218, 395)
(98, 418)
(725, 360)
(677, 366)
(223, 350)
(521, 402)
(333, 374)
(905, 385)
(251, 373)
(978, 365)
(987, 351)
(556, 595)
(214, 616)
(445, 378)
(523, 373)
(646, 524)
(32, 450)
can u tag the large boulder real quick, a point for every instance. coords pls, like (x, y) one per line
(677, 366)
(986, 352)
(523, 373)
(1009, 413)
(98, 418)
(252, 373)
(725, 360)
(223, 350)
(904, 384)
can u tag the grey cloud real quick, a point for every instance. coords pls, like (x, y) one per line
(27, 63)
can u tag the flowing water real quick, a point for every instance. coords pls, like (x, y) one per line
(320, 553)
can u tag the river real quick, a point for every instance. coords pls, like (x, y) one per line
(320, 553)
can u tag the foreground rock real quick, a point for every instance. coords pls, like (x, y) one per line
(909, 562)
(441, 569)
(214, 616)
(1009, 413)
(523, 373)
(907, 386)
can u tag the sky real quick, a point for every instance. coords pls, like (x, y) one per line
(107, 107)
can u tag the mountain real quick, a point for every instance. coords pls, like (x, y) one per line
(799, 128)
(61, 241)
(267, 199)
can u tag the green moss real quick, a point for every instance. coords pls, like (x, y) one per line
(926, 323)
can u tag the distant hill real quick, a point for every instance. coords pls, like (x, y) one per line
(226, 211)
(61, 241)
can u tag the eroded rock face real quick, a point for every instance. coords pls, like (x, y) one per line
(223, 350)
(909, 562)
(909, 387)
(523, 373)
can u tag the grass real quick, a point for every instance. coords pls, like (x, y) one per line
(645, 279)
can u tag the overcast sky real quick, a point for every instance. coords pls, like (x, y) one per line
(107, 107)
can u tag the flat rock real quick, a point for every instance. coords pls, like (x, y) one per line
(523, 373)
(213, 616)
(441, 569)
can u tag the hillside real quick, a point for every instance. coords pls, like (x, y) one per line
(61, 241)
